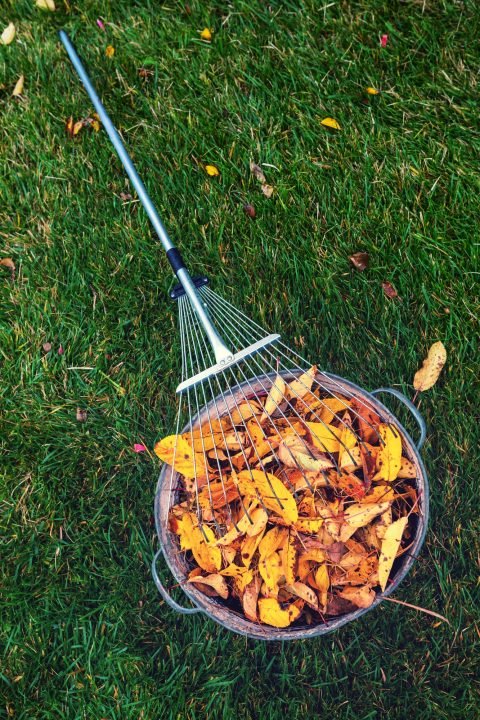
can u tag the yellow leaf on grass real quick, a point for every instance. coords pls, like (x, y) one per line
(109, 51)
(18, 89)
(390, 545)
(331, 123)
(273, 493)
(206, 34)
(175, 450)
(372, 91)
(271, 613)
(299, 387)
(212, 170)
(389, 456)
(274, 398)
(215, 581)
(427, 376)
(8, 34)
(45, 5)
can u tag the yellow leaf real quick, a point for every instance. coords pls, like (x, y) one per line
(389, 457)
(77, 127)
(273, 493)
(322, 579)
(390, 545)
(109, 51)
(407, 469)
(274, 398)
(289, 558)
(271, 613)
(294, 452)
(242, 575)
(250, 599)
(271, 570)
(304, 592)
(299, 387)
(250, 523)
(249, 547)
(206, 34)
(212, 170)
(271, 541)
(379, 494)
(45, 5)
(362, 597)
(331, 439)
(330, 407)
(310, 526)
(331, 123)
(427, 376)
(360, 514)
(18, 90)
(8, 34)
(215, 581)
(267, 190)
(201, 539)
(175, 450)
(372, 91)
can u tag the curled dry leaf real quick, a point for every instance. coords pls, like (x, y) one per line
(9, 265)
(257, 172)
(249, 210)
(81, 415)
(267, 190)
(8, 35)
(359, 261)
(427, 376)
(389, 290)
(331, 123)
(18, 89)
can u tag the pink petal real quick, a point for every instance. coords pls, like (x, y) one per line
(384, 40)
(100, 24)
(138, 447)
(60, 350)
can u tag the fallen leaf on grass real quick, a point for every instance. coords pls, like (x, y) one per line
(47, 346)
(45, 5)
(331, 123)
(9, 264)
(372, 91)
(427, 376)
(81, 415)
(206, 34)
(249, 210)
(257, 172)
(109, 51)
(267, 190)
(18, 89)
(359, 261)
(389, 290)
(212, 170)
(8, 34)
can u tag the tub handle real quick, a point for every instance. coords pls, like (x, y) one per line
(163, 592)
(418, 417)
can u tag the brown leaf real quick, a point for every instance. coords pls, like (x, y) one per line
(9, 264)
(427, 376)
(257, 172)
(359, 260)
(18, 89)
(389, 290)
(267, 190)
(81, 415)
(249, 210)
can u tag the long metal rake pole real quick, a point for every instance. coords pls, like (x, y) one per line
(222, 353)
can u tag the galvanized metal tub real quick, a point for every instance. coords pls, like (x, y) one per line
(216, 608)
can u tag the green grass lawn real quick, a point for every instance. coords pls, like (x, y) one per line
(83, 631)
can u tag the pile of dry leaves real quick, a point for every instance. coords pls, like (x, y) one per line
(302, 515)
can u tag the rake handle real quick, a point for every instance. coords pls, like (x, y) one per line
(173, 254)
